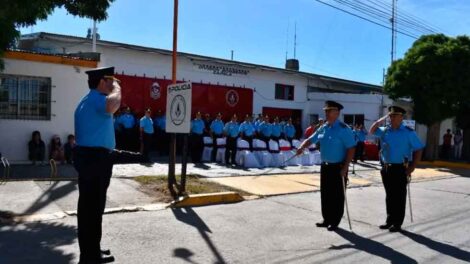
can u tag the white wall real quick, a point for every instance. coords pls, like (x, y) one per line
(69, 84)
(370, 105)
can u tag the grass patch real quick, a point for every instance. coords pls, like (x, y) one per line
(157, 186)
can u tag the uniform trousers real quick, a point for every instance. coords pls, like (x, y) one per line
(395, 180)
(331, 192)
(94, 166)
(359, 154)
(147, 140)
(197, 146)
(249, 139)
(230, 150)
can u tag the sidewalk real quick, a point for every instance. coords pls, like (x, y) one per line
(59, 198)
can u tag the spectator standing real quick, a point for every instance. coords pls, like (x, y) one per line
(447, 145)
(458, 141)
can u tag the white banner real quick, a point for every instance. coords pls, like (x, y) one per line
(178, 108)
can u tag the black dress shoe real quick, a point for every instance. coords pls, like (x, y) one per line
(322, 224)
(385, 226)
(332, 227)
(106, 259)
(394, 229)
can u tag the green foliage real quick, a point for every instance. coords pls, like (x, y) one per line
(435, 74)
(22, 13)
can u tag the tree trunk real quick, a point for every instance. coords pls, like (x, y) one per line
(466, 144)
(431, 151)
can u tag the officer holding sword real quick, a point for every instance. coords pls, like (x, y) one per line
(337, 151)
(401, 150)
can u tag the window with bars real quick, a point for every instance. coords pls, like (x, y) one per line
(354, 119)
(284, 92)
(25, 97)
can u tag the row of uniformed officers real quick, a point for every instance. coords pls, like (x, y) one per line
(152, 133)
(95, 155)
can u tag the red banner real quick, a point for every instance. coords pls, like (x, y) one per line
(141, 92)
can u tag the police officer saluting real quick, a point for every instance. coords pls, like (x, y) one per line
(95, 141)
(337, 151)
(398, 142)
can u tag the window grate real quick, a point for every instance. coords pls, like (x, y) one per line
(25, 97)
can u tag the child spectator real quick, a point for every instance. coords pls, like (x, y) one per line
(68, 149)
(37, 148)
(56, 150)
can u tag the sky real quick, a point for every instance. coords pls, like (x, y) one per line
(329, 42)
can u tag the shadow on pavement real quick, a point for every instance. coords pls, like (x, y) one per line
(184, 254)
(372, 247)
(36, 243)
(188, 216)
(439, 247)
(50, 195)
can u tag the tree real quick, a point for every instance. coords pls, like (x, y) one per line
(14, 14)
(434, 74)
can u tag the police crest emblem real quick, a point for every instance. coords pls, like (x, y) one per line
(155, 91)
(232, 98)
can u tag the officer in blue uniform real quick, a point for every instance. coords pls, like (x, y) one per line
(127, 123)
(276, 130)
(360, 134)
(289, 131)
(247, 131)
(216, 131)
(231, 132)
(95, 139)
(401, 150)
(146, 133)
(197, 130)
(337, 151)
(264, 130)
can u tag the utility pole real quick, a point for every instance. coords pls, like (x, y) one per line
(393, 20)
(172, 156)
(94, 37)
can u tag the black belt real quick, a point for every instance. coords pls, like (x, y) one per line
(394, 165)
(331, 163)
(101, 149)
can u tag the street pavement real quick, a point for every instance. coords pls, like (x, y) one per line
(276, 229)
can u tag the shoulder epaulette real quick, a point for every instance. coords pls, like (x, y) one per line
(343, 125)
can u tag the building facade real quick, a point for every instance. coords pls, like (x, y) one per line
(58, 62)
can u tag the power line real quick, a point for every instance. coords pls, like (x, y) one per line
(405, 16)
(401, 31)
(383, 16)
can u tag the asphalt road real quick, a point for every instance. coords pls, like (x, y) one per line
(279, 229)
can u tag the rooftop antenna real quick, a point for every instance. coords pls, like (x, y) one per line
(287, 40)
(295, 38)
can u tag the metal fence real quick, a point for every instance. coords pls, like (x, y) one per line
(25, 97)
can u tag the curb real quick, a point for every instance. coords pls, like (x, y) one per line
(207, 199)
(446, 164)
